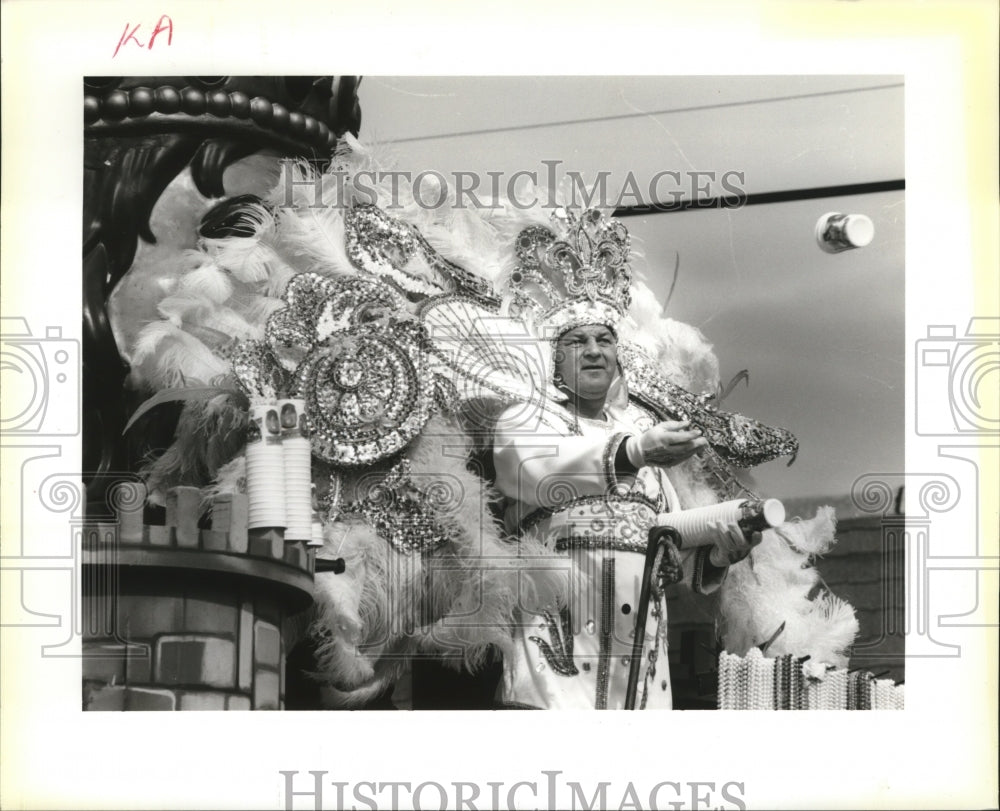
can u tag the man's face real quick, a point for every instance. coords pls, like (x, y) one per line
(586, 360)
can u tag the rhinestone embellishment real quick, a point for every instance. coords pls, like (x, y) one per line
(382, 245)
(346, 347)
(414, 516)
(368, 392)
(739, 440)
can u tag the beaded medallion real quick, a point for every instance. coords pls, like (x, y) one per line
(348, 349)
(367, 393)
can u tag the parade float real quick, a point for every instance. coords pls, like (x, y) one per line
(289, 383)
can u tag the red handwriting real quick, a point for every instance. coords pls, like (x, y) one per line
(165, 24)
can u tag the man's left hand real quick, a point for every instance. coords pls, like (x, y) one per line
(732, 545)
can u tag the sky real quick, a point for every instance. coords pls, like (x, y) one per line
(821, 335)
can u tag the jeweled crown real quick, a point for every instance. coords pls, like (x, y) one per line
(573, 275)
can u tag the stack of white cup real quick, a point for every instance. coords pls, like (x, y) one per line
(317, 538)
(695, 525)
(297, 452)
(265, 468)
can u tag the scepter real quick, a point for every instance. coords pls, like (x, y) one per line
(656, 547)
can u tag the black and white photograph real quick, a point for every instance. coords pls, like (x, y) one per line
(508, 412)
(400, 399)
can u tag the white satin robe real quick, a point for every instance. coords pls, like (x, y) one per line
(586, 665)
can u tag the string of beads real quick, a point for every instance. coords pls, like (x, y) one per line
(757, 682)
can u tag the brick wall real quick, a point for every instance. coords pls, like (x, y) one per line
(180, 617)
(866, 568)
(204, 645)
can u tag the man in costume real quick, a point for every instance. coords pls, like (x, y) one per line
(392, 326)
(592, 492)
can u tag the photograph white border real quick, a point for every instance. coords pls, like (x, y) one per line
(940, 752)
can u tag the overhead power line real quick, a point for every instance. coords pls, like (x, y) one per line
(641, 114)
(738, 201)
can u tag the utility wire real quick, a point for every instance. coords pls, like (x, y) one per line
(641, 114)
(762, 198)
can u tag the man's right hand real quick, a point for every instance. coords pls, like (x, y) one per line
(665, 444)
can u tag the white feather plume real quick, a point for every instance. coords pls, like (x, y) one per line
(773, 588)
(167, 357)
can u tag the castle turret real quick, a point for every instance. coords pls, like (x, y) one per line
(184, 617)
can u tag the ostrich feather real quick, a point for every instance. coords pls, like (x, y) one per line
(313, 240)
(210, 434)
(166, 356)
(773, 587)
(207, 281)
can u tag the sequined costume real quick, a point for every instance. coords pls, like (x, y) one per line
(572, 651)
(393, 323)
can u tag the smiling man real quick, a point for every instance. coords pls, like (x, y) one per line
(586, 362)
(584, 490)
